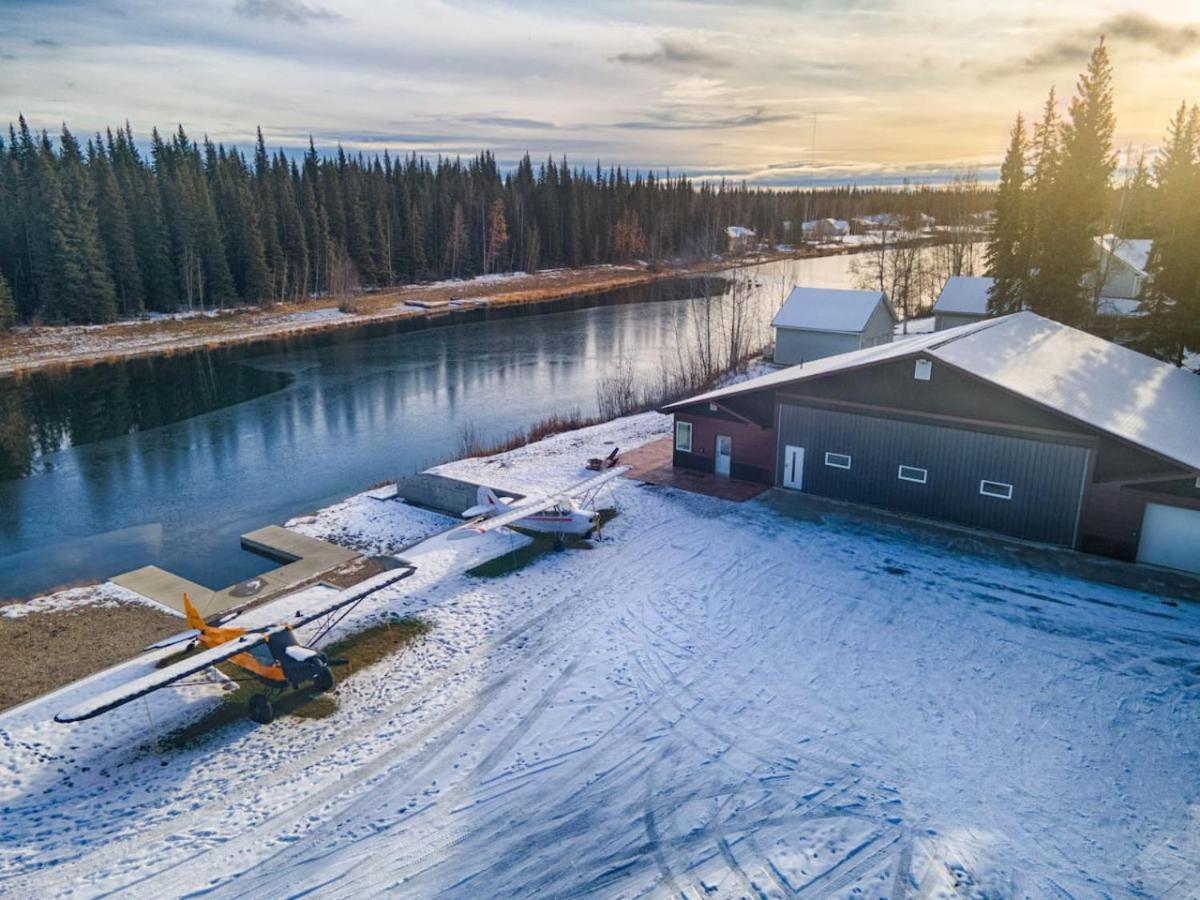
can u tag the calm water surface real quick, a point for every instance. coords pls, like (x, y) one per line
(166, 461)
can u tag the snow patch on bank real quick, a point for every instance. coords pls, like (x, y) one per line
(106, 594)
(371, 526)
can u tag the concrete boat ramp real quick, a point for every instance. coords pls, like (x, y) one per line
(305, 559)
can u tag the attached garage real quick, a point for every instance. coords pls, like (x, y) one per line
(1170, 537)
(1017, 425)
(1025, 488)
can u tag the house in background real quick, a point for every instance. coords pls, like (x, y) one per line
(1123, 265)
(825, 229)
(1122, 262)
(964, 299)
(1016, 425)
(740, 238)
(875, 222)
(817, 322)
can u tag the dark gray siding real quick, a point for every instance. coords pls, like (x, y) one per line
(1047, 477)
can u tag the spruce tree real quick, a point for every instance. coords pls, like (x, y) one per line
(1008, 251)
(116, 236)
(1089, 162)
(8, 310)
(82, 284)
(1171, 305)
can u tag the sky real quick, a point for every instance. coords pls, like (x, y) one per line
(772, 92)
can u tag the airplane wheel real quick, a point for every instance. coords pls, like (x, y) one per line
(261, 710)
(324, 680)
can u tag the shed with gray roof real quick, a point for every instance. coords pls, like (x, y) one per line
(814, 323)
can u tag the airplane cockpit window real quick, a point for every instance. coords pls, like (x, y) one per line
(262, 654)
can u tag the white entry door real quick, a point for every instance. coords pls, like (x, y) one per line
(723, 457)
(1170, 537)
(793, 467)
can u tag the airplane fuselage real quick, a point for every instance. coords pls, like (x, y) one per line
(572, 521)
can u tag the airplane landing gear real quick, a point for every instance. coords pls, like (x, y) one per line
(560, 542)
(323, 680)
(261, 710)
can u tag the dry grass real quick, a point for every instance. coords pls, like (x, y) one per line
(360, 650)
(43, 651)
(471, 444)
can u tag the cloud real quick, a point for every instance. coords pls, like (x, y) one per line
(671, 54)
(295, 12)
(46, 42)
(1173, 40)
(1073, 48)
(506, 121)
(671, 120)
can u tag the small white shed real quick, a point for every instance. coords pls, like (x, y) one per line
(964, 299)
(817, 322)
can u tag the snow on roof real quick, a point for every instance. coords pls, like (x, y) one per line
(1101, 384)
(737, 231)
(964, 294)
(829, 309)
(1134, 252)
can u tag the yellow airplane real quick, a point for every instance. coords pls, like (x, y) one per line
(270, 653)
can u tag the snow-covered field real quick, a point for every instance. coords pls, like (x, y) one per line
(719, 700)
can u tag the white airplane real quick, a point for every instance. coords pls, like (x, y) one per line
(558, 514)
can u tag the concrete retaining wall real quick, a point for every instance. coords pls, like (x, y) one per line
(447, 495)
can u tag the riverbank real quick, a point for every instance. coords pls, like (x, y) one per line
(31, 348)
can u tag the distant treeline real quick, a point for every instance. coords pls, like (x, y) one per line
(90, 233)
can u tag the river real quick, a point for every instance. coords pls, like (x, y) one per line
(167, 460)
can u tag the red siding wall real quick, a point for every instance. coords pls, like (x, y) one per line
(753, 447)
(1110, 522)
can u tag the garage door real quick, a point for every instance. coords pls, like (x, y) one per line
(1013, 485)
(1170, 537)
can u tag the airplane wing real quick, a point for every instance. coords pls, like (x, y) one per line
(349, 596)
(161, 678)
(168, 675)
(517, 513)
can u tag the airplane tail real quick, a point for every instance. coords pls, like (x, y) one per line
(486, 503)
(194, 619)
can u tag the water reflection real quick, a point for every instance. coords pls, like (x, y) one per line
(47, 411)
(166, 461)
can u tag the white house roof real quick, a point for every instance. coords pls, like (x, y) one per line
(1095, 382)
(964, 294)
(829, 309)
(1135, 252)
(738, 231)
(879, 219)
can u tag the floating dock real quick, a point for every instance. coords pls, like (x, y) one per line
(304, 558)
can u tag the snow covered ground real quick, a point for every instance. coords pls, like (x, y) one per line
(717, 700)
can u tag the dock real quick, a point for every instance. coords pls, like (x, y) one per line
(305, 559)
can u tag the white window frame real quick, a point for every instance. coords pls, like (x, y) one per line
(995, 495)
(834, 465)
(678, 443)
(900, 473)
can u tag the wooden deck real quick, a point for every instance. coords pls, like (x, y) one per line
(306, 559)
(652, 462)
